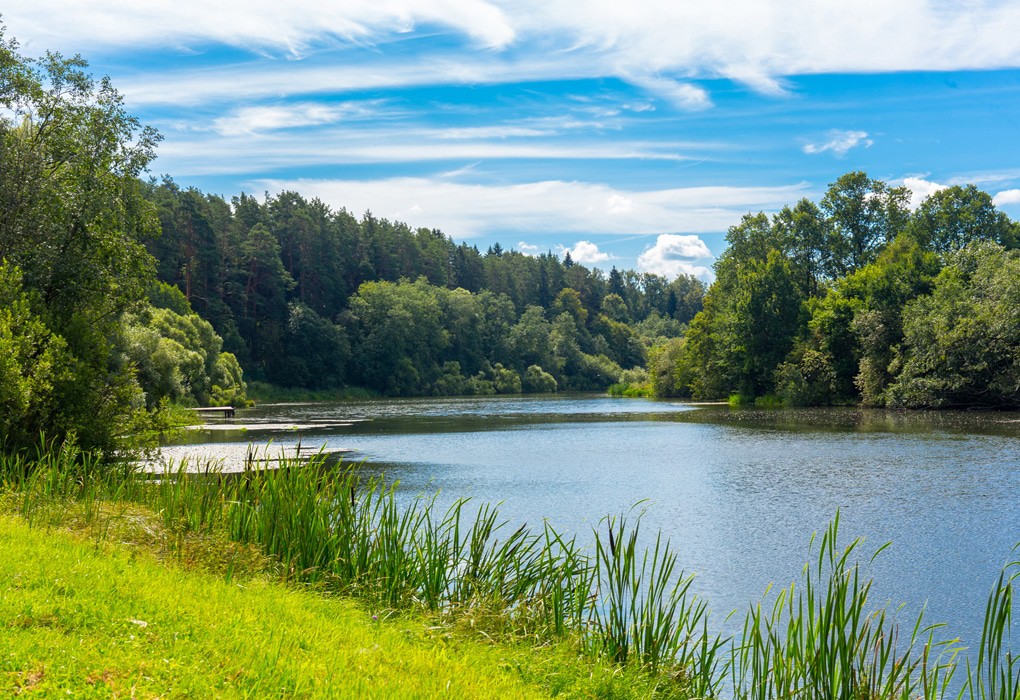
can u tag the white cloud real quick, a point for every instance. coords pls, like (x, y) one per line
(586, 253)
(204, 156)
(674, 255)
(528, 249)
(840, 142)
(489, 132)
(292, 26)
(660, 46)
(468, 210)
(618, 204)
(920, 190)
(683, 95)
(250, 120)
(1006, 197)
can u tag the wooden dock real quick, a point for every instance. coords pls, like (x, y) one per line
(226, 411)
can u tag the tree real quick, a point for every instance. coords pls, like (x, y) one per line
(315, 351)
(803, 233)
(397, 336)
(263, 284)
(960, 342)
(767, 308)
(863, 215)
(73, 220)
(951, 219)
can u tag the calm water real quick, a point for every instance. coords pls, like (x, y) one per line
(738, 491)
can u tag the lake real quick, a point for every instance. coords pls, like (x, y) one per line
(738, 491)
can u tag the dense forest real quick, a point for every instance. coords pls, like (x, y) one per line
(859, 299)
(310, 297)
(853, 299)
(120, 293)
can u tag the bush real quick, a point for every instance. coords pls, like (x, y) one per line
(537, 381)
(811, 381)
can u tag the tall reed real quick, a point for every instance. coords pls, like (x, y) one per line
(824, 640)
(996, 673)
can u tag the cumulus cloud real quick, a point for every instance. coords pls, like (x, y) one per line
(468, 210)
(674, 255)
(1006, 197)
(840, 142)
(920, 190)
(529, 249)
(586, 252)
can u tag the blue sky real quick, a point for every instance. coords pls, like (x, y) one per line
(632, 134)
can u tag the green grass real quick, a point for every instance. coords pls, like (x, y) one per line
(101, 620)
(632, 390)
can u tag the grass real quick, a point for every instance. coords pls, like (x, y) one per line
(632, 390)
(101, 620)
(622, 611)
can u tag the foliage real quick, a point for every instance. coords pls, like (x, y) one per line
(72, 226)
(283, 282)
(82, 353)
(538, 381)
(808, 380)
(178, 357)
(34, 366)
(813, 304)
(960, 344)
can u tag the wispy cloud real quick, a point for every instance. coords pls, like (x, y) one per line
(250, 120)
(554, 206)
(492, 132)
(682, 95)
(674, 255)
(664, 47)
(840, 142)
(292, 27)
(273, 151)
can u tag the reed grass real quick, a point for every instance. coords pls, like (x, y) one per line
(337, 529)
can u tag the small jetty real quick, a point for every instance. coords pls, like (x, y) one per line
(224, 411)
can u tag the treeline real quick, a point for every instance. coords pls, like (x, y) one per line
(84, 354)
(858, 299)
(311, 297)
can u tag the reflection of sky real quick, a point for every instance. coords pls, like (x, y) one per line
(543, 125)
(738, 499)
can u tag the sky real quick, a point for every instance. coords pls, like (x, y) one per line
(632, 134)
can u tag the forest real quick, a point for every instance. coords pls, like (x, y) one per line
(310, 297)
(121, 293)
(859, 299)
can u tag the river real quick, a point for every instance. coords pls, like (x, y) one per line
(738, 492)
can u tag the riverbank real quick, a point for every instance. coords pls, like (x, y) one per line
(112, 605)
(613, 620)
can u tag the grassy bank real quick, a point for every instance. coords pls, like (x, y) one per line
(101, 620)
(621, 613)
